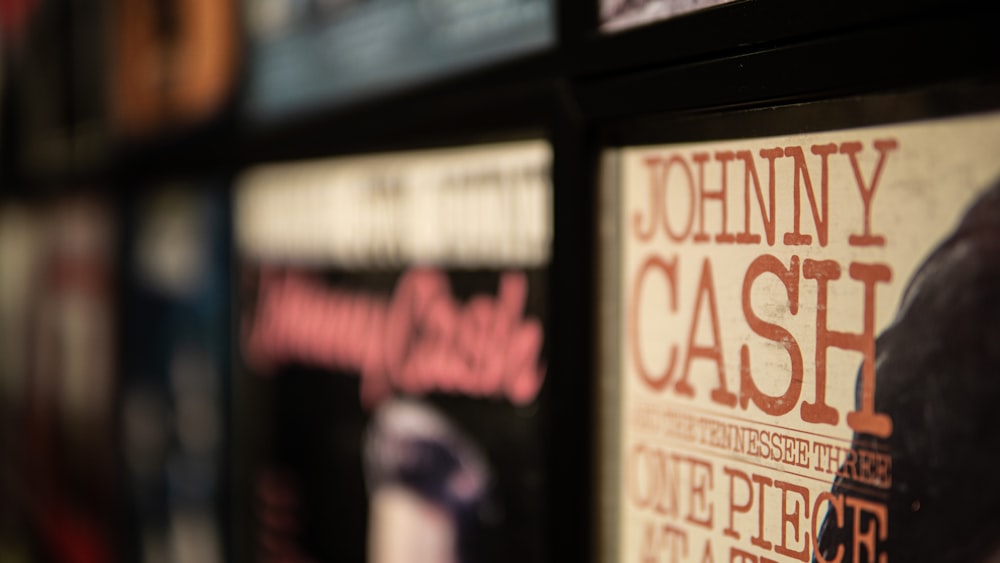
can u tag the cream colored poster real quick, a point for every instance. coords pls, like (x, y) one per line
(809, 349)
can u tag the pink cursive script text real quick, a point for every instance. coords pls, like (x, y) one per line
(419, 341)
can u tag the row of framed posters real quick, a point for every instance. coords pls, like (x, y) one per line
(797, 344)
(800, 344)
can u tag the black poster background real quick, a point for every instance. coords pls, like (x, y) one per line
(302, 426)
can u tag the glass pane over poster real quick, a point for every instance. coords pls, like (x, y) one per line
(806, 358)
(314, 54)
(394, 311)
(618, 15)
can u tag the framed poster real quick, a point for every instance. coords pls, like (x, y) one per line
(391, 399)
(58, 381)
(21, 238)
(308, 56)
(800, 362)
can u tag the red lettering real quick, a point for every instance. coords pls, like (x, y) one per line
(837, 502)
(759, 540)
(743, 508)
(669, 270)
(699, 492)
(655, 200)
(664, 538)
(767, 217)
(866, 538)
(643, 498)
(678, 236)
(792, 518)
(707, 556)
(865, 420)
(866, 238)
(782, 404)
(737, 555)
(820, 211)
(723, 157)
(706, 294)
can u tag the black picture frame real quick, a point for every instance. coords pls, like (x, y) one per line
(965, 97)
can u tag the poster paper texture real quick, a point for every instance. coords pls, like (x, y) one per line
(808, 355)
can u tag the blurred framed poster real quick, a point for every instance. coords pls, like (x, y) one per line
(174, 65)
(391, 399)
(174, 385)
(800, 357)
(58, 380)
(313, 55)
(55, 87)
